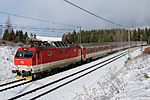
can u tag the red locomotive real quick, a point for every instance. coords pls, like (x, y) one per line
(38, 58)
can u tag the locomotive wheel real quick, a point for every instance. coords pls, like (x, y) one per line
(54, 71)
(72, 66)
(34, 76)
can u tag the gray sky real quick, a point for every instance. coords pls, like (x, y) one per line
(61, 15)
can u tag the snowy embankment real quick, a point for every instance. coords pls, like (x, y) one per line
(6, 63)
(128, 82)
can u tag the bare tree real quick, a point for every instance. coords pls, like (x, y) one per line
(8, 24)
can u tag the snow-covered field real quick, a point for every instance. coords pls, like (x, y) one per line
(115, 81)
(49, 39)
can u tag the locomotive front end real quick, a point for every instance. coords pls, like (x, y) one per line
(23, 62)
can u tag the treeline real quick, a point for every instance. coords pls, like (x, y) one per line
(107, 35)
(17, 36)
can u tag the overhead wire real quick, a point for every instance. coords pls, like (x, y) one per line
(46, 31)
(36, 19)
(94, 14)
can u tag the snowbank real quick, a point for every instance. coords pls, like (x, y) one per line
(7, 63)
(128, 82)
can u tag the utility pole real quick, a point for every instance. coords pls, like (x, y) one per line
(129, 43)
(80, 33)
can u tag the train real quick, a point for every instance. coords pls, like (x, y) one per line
(42, 58)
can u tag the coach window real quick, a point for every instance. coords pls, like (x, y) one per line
(86, 51)
(49, 53)
(74, 50)
(102, 48)
(91, 50)
(60, 52)
(66, 51)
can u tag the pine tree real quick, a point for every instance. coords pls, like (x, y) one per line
(35, 36)
(6, 35)
(63, 37)
(12, 35)
(26, 34)
(31, 35)
(20, 39)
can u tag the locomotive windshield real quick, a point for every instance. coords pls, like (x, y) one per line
(28, 54)
(19, 54)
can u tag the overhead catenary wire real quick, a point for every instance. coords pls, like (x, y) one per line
(94, 14)
(31, 18)
(15, 26)
(38, 30)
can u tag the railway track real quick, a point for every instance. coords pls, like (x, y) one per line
(54, 85)
(5, 84)
(14, 84)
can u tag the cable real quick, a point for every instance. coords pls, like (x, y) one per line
(34, 28)
(95, 14)
(36, 19)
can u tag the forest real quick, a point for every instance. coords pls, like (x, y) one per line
(107, 35)
(17, 36)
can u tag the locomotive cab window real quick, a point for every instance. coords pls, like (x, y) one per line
(74, 50)
(49, 53)
(19, 54)
(28, 54)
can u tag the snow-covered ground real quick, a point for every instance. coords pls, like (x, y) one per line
(49, 39)
(6, 63)
(116, 81)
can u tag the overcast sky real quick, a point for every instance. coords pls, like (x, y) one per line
(62, 15)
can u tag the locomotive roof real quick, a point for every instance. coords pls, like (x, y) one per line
(51, 45)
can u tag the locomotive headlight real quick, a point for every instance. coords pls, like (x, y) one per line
(16, 67)
(25, 49)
